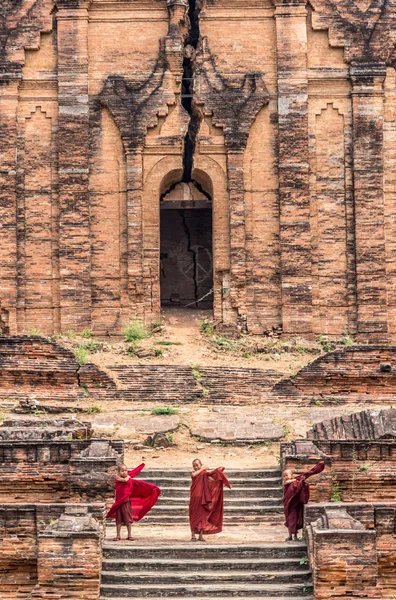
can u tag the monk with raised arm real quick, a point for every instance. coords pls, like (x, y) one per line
(295, 495)
(133, 499)
(206, 508)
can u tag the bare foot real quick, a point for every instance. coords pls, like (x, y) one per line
(116, 539)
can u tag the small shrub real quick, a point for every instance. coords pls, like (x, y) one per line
(300, 348)
(33, 331)
(196, 373)
(224, 343)
(304, 561)
(87, 333)
(164, 410)
(166, 343)
(170, 437)
(70, 334)
(155, 325)
(91, 347)
(158, 352)
(347, 341)
(81, 355)
(94, 409)
(135, 332)
(363, 468)
(326, 345)
(206, 327)
(246, 355)
(335, 491)
(318, 403)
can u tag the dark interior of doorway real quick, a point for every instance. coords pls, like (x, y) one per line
(186, 257)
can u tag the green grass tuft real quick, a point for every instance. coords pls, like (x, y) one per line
(164, 410)
(135, 332)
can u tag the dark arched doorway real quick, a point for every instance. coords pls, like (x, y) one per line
(186, 247)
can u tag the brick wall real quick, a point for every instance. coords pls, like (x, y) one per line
(57, 471)
(363, 470)
(359, 374)
(27, 546)
(299, 170)
(36, 367)
(352, 549)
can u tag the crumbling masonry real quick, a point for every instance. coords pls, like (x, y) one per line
(260, 133)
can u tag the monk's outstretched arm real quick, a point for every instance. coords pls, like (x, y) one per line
(315, 470)
(123, 479)
(196, 473)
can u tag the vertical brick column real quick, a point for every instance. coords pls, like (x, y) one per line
(344, 563)
(368, 162)
(237, 233)
(70, 558)
(8, 229)
(75, 294)
(291, 32)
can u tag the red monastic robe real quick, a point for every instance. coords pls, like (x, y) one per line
(206, 508)
(140, 494)
(295, 495)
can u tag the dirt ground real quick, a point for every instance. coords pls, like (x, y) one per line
(187, 337)
(179, 339)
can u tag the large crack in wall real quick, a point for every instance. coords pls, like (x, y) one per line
(190, 50)
(193, 255)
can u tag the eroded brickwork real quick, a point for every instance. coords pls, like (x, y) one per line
(283, 115)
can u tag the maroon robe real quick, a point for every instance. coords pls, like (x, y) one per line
(141, 495)
(295, 495)
(206, 509)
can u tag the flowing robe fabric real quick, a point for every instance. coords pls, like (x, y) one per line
(295, 495)
(206, 509)
(140, 494)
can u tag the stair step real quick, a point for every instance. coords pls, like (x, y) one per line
(251, 474)
(230, 502)
(253, 509)
(242, 493)
(195, 577)
(171, 564)
(305, 597)
(211, 551)
(213, 590)
(162, 481)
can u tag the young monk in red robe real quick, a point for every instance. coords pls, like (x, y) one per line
(206, 508)
(295, 495)
(133, 499)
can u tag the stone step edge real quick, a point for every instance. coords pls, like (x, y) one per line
(202, 561)
(231, 573)
(215, 587)
(190, 546)
(305, 597)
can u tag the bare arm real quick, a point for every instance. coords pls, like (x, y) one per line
(196, 473)
(123, 479)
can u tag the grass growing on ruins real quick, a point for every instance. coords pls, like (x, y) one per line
(206, 327)
(81, 355)
(95, 409)
(224, 343)
(164, 410)
(166, 343)
(87, 333)
(335, 490)
(135, 332)
(348, 341)
(34, 332)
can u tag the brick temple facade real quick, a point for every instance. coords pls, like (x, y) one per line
(154, 150)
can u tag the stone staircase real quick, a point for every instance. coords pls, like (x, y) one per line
(269, 571)
(255, 497)
(177, 384)
(187, 570)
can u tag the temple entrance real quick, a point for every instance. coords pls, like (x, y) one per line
(186, 248)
